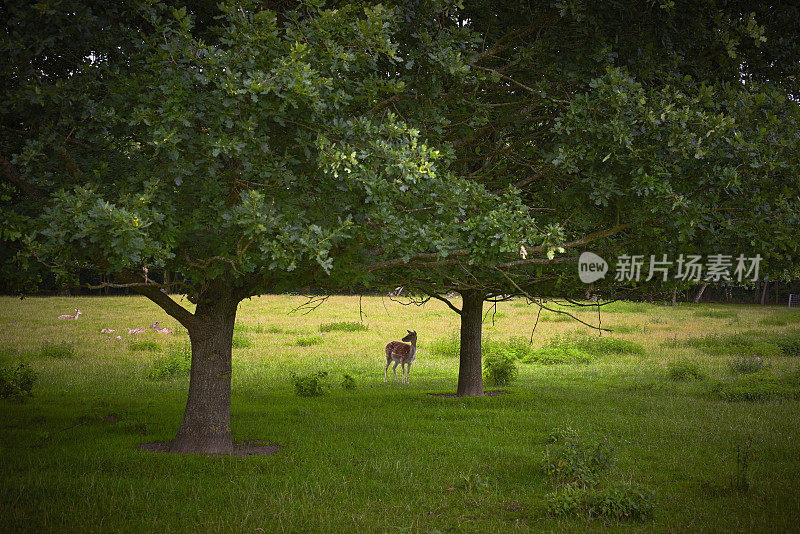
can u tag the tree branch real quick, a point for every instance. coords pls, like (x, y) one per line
(154, 293)
(11, 175)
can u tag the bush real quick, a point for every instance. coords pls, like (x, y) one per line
(499, 367)
(144, 346)
(685, 370)
(573, 459)
(312, 385)
(176, 362)
(57, 350)
(309, 341)
(17, 382)
(618, 502)
(348, 326)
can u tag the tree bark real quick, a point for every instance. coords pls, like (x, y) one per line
(470, 369)
(674, 295)
(206, 424)
(764, 292)
(700, 292)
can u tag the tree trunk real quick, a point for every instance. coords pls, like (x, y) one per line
(700, 293)
(764, 292)
(206, 424)
(470, 370)
(674, 295)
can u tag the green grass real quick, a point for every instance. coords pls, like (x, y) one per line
(344, 326)
(144, 346)
(390, 457)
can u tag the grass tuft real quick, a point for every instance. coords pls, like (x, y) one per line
(309, 341)
(144, 346)
(57, 350)
(685, 370)
(347, 326)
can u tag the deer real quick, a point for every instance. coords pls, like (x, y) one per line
(77, 313)
(403, 354)
(107, 331)
(134, 331)
(165, 330)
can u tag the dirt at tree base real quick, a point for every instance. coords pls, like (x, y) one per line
(244, 448)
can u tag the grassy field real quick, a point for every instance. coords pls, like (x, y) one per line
(685, 416)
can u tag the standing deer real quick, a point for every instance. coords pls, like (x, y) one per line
(165, 330)
(77, 313)
(403, 354)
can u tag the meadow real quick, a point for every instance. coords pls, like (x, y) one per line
(684, 418)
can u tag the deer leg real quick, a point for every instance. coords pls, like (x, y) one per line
(395, 370)
(408, 371)
(386, 371)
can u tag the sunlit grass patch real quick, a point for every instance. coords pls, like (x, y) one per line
(716, 314)
(628, 329)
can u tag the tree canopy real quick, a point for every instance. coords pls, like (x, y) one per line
(448, 146)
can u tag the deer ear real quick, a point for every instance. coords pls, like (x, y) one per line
(409, 331)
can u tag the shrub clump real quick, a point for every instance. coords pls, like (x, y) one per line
(499, 367)
(685, 370)
(346, 326)
(312, 385)
(579, 465)
(572, 459)
(17, 382)
(618, 502)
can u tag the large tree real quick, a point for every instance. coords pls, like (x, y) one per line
(628, 127)
(250, 155)
(448, 148)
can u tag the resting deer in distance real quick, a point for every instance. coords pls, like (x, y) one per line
(134, 331)
(403, 354)
(77, 313)
(165, 330)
